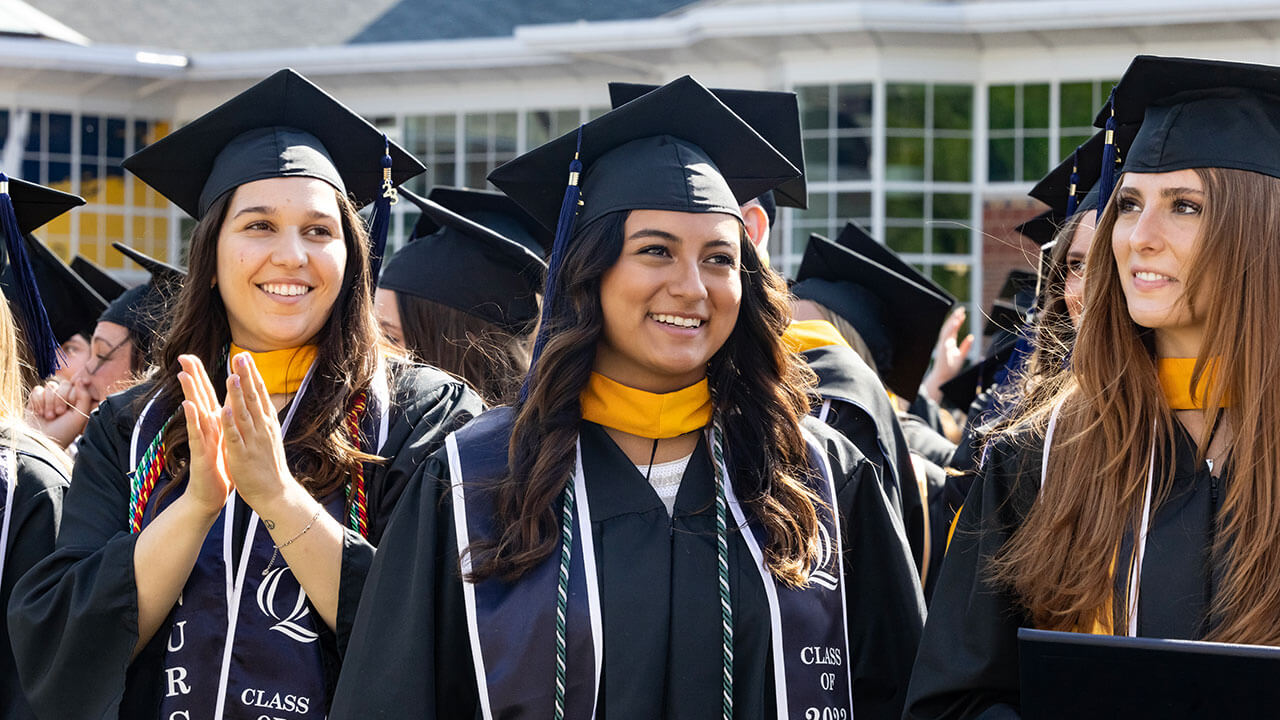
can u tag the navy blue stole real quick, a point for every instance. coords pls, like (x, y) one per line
(512, 625)
(243, 642)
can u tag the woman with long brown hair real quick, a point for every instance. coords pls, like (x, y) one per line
(461, 295)
(222, 514)
(1140, 498)
(656, 528)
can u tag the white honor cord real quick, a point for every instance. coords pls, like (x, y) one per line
(235, 586)
(1135, 574)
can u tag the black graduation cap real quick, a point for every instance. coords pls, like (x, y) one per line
(495, 211)
(283, 126)
(1041, 229)
(25, 207)
(467, 266)
(897, 317)
(857, 240)
(1020, 288)
(1004, 317)
(1078, 174)
(1198, 113)
(676, 148)
(144, 309)
(775, 115)
(102, 283)
(72, 303)
(961, 390)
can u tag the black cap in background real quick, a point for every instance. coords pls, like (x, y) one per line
(495, 211)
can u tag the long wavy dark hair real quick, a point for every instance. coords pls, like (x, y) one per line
(758, 390)
(321, 455)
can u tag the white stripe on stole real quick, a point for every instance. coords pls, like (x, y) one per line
(235, 586)
(844, 603)
(464, 565)
(10, 459)
(589, 566)
(770, 590)
(825, 411)
(1135, 576)
(134, 457)
(770, 586)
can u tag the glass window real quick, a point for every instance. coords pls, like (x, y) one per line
(953, 277)
(1002, 159)
(949, 237)
(815, 107)
(951, 159)
(905, 106)
(904, 158)
(115, 138)
(1002, 113)
(1076, 104)
(852, 206)
(905, 239)
(953, 107)
(59, 133)
(853, 158)
(817, 159)
(951, 206)
(1035, 157)
(90, 135)
(1035, 106)
(904, 205)
(853, 106)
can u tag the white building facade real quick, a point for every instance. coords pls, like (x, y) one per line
(926, 122)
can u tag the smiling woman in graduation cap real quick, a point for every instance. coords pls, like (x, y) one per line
(462, 294)
(656, 528)
(1140, 499)
(225, 511)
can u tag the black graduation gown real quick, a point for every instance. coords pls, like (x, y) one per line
(37, 509)
(410, 655)
(861, 411)
(968, 661)
(74, 616)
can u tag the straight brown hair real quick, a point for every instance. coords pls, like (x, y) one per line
(1113, 412)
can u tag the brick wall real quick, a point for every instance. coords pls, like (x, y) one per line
(1003, 248)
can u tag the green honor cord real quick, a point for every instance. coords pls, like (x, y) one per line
(722, 558)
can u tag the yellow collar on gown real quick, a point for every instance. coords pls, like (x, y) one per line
(1175, 380)
(646, 414)
(802, 335)
(282, 370)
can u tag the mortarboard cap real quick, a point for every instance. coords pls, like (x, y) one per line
(842, 280)
(494, 211)
(144, 309)
(1004, 317)
(1197, 113)
(1020, 288)
(102, 283)
(857, 240)
(25, 207)
(469, 267)
(72, 303)
(676, 148)
(285, 126)
(775, 115)
(1041, 229)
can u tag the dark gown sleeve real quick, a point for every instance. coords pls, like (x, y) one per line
(882, 589)
(36, 512)
(428, 406)
(967, 666)
(410, 653)
(73, 618)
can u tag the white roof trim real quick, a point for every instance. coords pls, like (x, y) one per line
(558, 44)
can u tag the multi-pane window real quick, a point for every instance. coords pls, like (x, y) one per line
(1018, 132)
(919, 201)
(81, 153)
(1078, 103)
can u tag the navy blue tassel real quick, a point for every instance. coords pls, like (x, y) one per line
(1075, 182)
(380, 218)
(35, 322)
(564, 230)
(1107, 180)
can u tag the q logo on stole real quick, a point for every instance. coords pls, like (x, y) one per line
(824, 573)
(286, 624)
